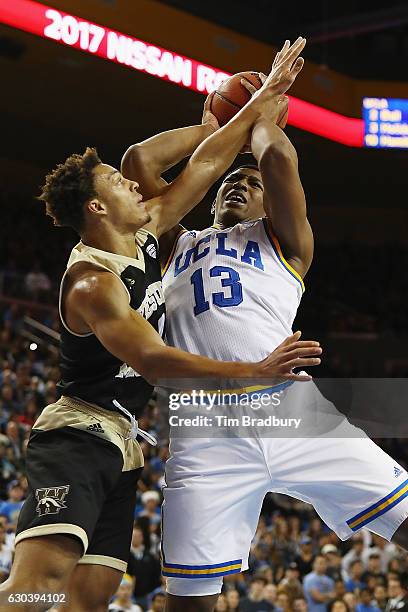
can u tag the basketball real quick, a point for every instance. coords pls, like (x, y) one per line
(231, 95)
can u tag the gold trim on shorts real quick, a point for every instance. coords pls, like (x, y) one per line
(117, 564)
(115, 428)
(54, 529)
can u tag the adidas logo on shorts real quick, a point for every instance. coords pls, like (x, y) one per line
(397, 472)
(96, 428)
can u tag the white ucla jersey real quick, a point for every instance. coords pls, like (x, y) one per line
(229, 293)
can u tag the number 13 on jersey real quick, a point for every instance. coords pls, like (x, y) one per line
(230, 280)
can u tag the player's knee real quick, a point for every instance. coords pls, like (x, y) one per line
(205, 603)
(102, 583)
(199, 595)
(401, 535)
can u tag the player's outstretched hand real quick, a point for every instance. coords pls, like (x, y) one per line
(292, 353)
(208, 117)
(285, 68)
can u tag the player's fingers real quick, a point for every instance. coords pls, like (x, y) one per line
(295, 50)
(301, 352)
(281, 53)
(207, 103)
(297, 66)
(300, 344)
(248, 86)
(290, 339)
(302, 362)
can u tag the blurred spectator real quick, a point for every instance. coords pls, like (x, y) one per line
(300, 605)
(158, 603)
(350, 600)
(122, 601)
(283, 602)
(333, 558)
(255, 601)
(37, 282)
(6, 554)
(354, 554)
(143, 566)
(338, 606)
(291, 584)
(319, 588)
(365, 604)
(354, 582)
(233, 599)
(151, 503)
(12, 506)
(221, 605)
(397, 596)
(304, 559)
(380, 597)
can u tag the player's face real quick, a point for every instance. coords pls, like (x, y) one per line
(240, 197)
(122, 203)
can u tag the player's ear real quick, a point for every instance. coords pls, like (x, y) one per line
(96, 206)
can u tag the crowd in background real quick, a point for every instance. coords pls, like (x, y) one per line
(349, 288)
(296, 562)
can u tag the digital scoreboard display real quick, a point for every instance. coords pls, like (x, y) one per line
(385, 123)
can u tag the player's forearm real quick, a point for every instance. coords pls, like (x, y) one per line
(269, 142)
(165, 150)
(216, 153)
(160, 363)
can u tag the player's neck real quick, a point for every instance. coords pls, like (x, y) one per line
(111, 240)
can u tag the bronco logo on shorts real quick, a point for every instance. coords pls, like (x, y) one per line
(51, 499)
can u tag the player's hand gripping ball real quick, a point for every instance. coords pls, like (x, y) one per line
(235, 92)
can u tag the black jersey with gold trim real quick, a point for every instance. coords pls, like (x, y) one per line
(89, 371)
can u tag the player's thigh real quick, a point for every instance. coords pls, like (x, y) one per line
(70, 473)
(91, 587)
(110, 543)
(351, 481)
(212, 502)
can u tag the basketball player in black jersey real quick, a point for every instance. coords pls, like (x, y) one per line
(83, 461)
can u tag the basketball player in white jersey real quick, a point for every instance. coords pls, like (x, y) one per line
(83, 461)
(229, 289)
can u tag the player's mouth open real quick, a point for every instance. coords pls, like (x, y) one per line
(235, 196)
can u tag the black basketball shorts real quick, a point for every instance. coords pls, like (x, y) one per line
(82, 473)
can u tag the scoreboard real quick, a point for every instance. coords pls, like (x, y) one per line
(385, 123)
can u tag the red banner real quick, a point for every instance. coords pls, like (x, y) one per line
(139, 55)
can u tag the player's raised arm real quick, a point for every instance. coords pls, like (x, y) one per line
(100, 303)
(284, 198)
(218, 151)
(146, 161)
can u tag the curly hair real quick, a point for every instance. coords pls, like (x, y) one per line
(68, 187)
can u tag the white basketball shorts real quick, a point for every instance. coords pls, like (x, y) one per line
(215, 488)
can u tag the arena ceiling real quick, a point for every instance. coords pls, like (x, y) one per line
(341, 35)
